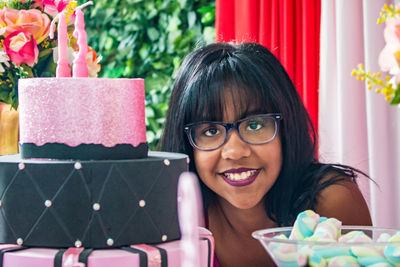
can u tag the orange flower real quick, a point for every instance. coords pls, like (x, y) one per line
(92, 62)
(30, 21)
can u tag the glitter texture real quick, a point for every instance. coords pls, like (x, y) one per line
(76, 111)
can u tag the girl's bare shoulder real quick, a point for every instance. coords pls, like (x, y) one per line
(344, 201)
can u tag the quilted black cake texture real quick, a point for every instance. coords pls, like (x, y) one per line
(95, 204)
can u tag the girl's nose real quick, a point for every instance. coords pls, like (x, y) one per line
(235, 148)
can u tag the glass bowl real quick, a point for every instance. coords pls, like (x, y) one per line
(353, 252)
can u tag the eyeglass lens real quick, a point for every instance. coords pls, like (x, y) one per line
(255, 130)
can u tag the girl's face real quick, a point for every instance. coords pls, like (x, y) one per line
(239, 172)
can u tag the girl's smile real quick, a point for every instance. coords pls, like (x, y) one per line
(240, 177)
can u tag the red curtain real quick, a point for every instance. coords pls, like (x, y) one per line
(289, 28)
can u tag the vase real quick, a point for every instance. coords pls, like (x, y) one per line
(9, 130)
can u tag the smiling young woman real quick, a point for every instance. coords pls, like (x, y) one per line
(237, 115)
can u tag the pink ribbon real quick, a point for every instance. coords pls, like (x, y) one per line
(71, 258)
(5, 246)
(153, 254)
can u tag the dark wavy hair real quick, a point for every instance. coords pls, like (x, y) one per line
(252, 72)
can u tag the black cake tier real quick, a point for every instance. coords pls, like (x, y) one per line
(83, 151)
(94, 204)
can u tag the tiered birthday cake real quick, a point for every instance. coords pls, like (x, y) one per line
(85, 180)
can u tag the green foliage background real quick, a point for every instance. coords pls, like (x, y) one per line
(149, 39)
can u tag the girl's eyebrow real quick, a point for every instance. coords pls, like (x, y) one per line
(251, 112)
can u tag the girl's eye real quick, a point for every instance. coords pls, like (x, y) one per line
(212, 131)
(254, 125)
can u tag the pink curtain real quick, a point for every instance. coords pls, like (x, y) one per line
(358, 127)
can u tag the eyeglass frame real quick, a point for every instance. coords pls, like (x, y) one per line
(235, 126)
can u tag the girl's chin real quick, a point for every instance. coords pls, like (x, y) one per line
(243, 204)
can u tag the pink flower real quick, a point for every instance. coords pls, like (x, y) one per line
(389, 58)
(21, 48)
(31, 21)
(38, 3)
(53, 7)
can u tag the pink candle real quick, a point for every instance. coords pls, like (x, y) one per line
(63, 69)
(80, 66)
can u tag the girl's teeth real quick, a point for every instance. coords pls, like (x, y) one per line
(239, 176)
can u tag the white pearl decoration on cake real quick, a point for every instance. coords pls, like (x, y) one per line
(48, 203)
(166, 162)
(20, 241)
(187, 160)
(96, 206)
(21, 166)
(164, 238)
(77, 165)
(142, 203)
(110, 242)
(78, 243)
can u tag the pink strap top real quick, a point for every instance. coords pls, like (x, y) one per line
(215, 262)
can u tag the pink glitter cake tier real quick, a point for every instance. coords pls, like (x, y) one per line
(82, 118)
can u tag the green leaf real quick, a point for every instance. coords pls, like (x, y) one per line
(149, 112)
(206, 9)
(150, 136)
(173, 24)
(207, 18)
(182, 3)
(144, 51)
(153, 33)
(109, 43)
(209, 35)
(396, 98)
(191, 19)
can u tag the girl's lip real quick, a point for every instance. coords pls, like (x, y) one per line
(244, 182)
(238, 170)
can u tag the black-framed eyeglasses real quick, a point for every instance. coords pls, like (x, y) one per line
(255, 130)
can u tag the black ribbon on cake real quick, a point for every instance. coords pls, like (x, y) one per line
(83, 257)
(85, 254)
(83, 151)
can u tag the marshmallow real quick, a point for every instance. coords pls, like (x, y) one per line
(374, 261)
(392, 253)
(304, 225)
(365, 251)
(286, 255)
(327, 230)
(330, 252)
(343, 261)
(384, 237)
(316, 261)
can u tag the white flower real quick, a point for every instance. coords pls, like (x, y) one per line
(70, 54)
(3, 60)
